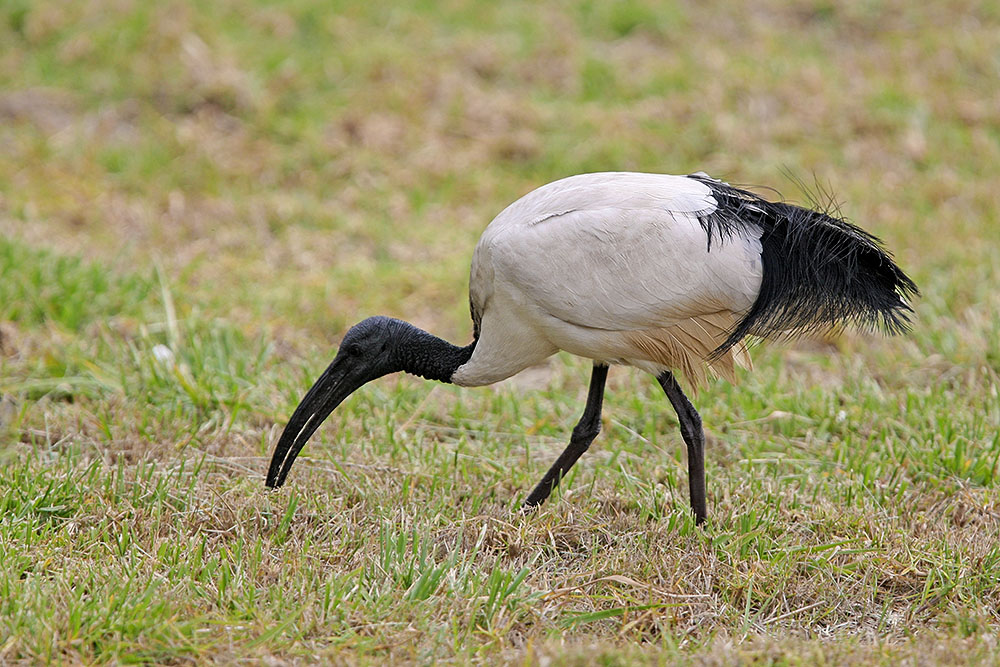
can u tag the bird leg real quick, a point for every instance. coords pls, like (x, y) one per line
(694, 438)
(583, 434)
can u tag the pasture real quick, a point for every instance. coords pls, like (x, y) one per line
(198, 198)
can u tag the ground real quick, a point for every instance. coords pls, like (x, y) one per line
(197, 199)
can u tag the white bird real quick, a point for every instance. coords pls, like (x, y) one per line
(663, 273)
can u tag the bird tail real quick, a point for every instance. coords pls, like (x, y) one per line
(819, 271)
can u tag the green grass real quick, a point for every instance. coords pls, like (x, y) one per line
(197, 199)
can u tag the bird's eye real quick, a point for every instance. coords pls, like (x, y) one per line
(352, 350)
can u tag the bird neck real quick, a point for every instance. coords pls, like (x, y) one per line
(424, 354)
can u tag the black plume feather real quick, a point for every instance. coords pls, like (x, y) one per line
(819, 271)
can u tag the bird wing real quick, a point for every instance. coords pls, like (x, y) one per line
(620, 252)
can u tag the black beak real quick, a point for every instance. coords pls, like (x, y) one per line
(337, 382)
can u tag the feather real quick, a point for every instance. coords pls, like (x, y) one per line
(688, 347)
(819, 271)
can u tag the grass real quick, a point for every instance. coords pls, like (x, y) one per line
(196, 200)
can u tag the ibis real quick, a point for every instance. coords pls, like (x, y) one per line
(669, 274)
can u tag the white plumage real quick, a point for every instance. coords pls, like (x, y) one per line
(664, 273)
(613, 267)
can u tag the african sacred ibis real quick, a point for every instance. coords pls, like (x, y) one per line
(663, 273)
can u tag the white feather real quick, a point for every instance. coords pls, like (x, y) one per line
(580, 263)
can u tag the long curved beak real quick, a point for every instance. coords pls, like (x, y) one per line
(337, 382)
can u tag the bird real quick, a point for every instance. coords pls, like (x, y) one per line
(673, 275)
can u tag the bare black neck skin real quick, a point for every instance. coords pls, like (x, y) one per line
(420, 353)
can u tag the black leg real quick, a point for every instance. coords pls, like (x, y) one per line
(583, 434)
(694, 438)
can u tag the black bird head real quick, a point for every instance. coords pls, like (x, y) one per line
(369, 350)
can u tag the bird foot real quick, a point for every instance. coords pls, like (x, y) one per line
(527, 508)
